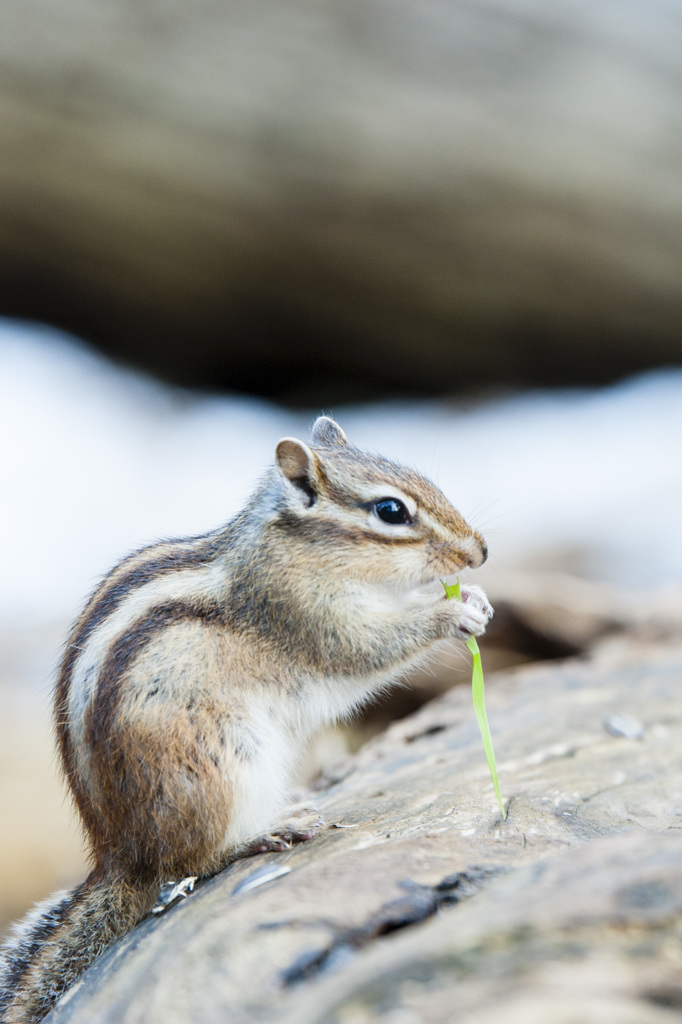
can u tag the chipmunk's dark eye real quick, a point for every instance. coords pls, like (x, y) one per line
(392, 511)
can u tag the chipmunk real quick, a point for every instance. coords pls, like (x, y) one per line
(200, 668)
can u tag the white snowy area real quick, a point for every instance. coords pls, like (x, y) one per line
(98, 460)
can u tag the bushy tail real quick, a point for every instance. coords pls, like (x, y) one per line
(59, 938)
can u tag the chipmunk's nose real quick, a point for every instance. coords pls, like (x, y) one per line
(480, 552)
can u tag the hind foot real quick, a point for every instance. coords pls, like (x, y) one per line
(305, 824)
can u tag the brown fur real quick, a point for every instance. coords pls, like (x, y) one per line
(199, 669)
(103, 908)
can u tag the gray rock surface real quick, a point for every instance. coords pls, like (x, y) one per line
(419, 903)
(333, 200)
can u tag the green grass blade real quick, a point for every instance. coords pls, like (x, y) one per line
(453, 590)
(478, 693)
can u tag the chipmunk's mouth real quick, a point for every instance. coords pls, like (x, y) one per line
(448, 559)
(442, 567)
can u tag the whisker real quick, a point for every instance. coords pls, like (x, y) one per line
(474, 516)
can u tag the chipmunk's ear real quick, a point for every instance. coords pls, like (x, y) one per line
(296, 463)
(327, 433)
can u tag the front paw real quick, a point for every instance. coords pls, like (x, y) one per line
(475, 597)
(471, 614)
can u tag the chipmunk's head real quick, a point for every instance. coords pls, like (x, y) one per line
(366, 518)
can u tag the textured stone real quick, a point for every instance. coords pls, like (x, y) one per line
(417, 902)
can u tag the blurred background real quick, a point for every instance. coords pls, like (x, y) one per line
(456, 226)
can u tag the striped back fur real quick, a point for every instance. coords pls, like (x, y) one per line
(199, 668)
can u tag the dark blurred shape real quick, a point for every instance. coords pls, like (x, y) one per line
(334, 201)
